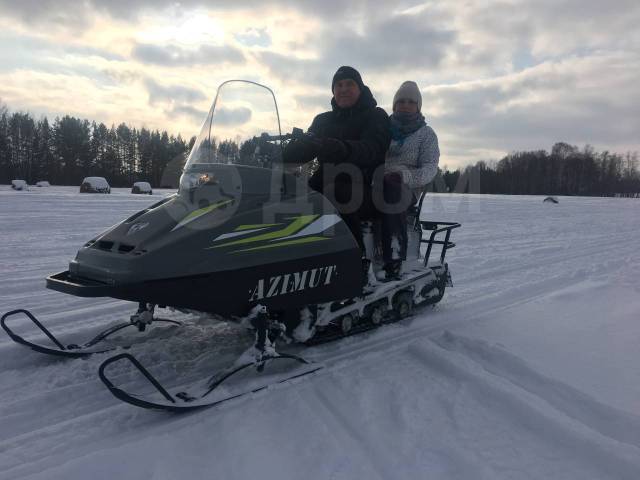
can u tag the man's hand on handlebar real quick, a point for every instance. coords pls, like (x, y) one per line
(304, 147)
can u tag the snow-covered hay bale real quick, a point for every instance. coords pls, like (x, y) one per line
(142, 188)
(19, 185)
(95, 185)
(550, 200)
(43, 183)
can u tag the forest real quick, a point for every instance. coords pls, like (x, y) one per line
(68, 149)
(566, 170)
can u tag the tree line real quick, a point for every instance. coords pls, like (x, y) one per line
(72, 148)
(566, 170)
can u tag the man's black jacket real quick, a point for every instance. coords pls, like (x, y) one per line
(365, 130)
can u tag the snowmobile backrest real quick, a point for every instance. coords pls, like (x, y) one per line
(414, 211)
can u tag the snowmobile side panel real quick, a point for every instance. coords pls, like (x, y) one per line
(281, 285)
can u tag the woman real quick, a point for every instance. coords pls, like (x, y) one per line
(411, 163)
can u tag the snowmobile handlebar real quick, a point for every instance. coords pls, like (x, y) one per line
(296, 134)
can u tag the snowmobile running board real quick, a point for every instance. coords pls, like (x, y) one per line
(71, 350)
(184, 401)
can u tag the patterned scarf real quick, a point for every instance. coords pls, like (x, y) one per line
(404, 124)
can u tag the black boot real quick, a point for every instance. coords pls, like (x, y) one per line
(366, 264)
(393, 270)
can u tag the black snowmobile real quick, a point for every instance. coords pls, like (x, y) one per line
(247, 239)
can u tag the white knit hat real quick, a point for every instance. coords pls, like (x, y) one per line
(410, 91)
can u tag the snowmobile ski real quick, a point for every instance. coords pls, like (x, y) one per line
(86, 349)
(201, 396)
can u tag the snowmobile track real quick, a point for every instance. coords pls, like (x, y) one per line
(527, 407)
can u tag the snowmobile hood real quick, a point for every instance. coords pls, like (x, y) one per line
(197, 249)
(211, 230)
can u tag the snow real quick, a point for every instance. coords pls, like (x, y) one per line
(529, 367)
(19, 185)
(97, 184)
(143, 187)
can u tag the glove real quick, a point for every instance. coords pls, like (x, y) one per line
(299, 151)
(394, 178)
(332, 149)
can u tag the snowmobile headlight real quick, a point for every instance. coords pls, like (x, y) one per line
(207, 179)
(190, 181)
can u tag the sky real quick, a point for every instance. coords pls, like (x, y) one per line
(496, 76)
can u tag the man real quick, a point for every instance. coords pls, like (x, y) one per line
(349, 142)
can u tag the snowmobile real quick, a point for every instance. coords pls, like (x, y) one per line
(247, 239)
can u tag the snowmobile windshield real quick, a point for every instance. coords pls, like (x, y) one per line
(242, 129)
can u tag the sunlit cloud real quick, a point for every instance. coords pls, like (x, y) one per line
(172, 93)
(172, 56)
(252, 37)
(496, 76)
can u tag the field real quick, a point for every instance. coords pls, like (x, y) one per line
(528, 368)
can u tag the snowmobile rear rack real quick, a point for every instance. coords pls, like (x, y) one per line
(436, 228)
(185, 401)
(72, 350)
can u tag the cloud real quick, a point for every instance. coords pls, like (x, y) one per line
(319, 101)
(173, 56)
(499, 35)
(231, 116)
(77, 14)
(172, 93)
(63, 13)
(88, 51)
(496, 75)
(301, 70)
(401, 41)
(21, 51)
(187, 111)
(579, 100)
(252, 37)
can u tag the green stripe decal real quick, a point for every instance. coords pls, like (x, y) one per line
(257, 225)
(202, 211)
(297, 241)
(199, 213)
(298, 224)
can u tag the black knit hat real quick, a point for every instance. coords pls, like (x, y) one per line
(347, 72)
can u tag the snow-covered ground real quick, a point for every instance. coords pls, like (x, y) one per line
(528, 368)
